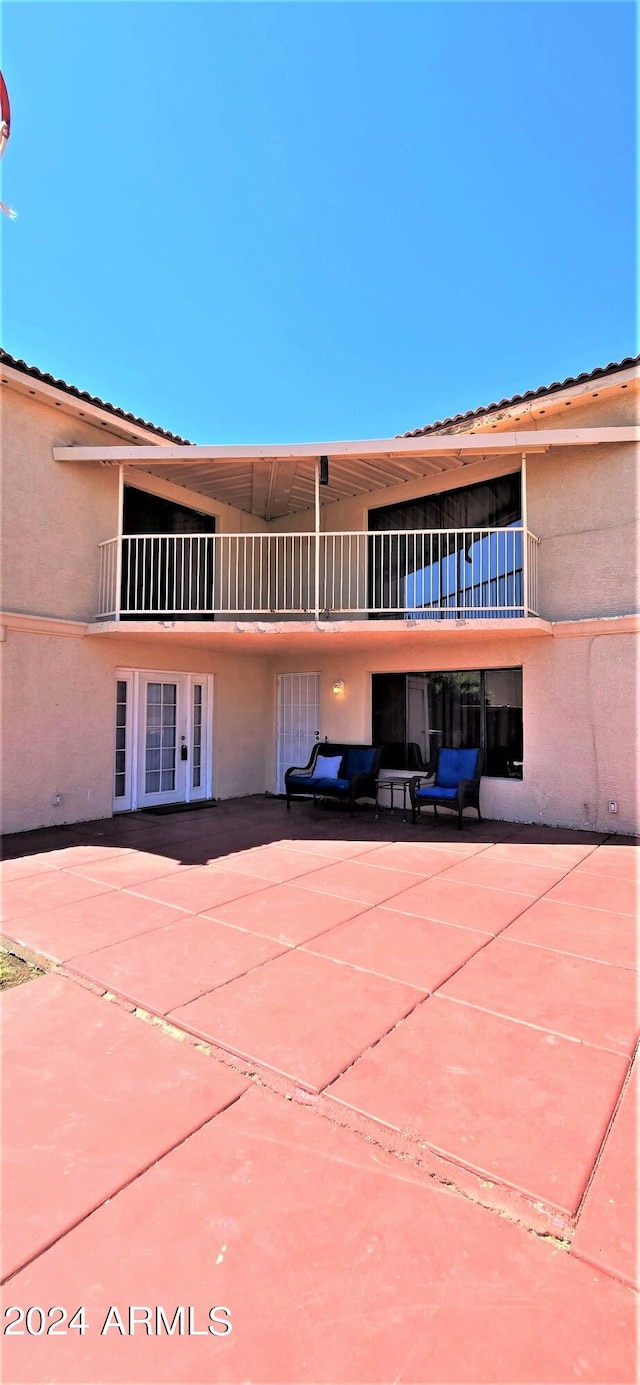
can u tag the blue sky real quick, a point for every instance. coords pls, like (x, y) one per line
(272, 222)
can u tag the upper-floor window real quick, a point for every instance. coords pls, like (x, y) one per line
(455, 551)
(160, 575)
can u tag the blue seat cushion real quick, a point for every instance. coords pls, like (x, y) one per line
(302, 781)
(437, 791)
(325, 783)
(358, 760)
(454, 765)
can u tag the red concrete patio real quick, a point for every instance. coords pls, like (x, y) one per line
(406, 1054)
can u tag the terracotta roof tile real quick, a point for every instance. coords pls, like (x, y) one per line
(540, 393)
(85, 397)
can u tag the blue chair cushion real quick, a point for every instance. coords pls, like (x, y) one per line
(358, 760)
(302, 781)
(437, 791)
(454, 765)
(327, 782)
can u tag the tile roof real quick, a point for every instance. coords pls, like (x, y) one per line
(85, 397)
(540, 393)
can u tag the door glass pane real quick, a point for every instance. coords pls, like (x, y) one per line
(120, 782)
(503, 711)
(197, 736)
(160, 745)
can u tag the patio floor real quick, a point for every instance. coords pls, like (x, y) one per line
(426, 1034)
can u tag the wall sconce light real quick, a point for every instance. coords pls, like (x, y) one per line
(338, 687)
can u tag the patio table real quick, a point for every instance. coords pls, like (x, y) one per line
(392, 785)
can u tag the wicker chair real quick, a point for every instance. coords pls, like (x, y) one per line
(456, 784)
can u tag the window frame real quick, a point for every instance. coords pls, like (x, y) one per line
(482, 672)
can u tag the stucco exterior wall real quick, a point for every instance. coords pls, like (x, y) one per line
(54, 514)
(582, 504)
(59, 720)
(580, 722)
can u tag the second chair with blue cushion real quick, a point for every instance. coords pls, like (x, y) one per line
(456, 784)
(335, 770)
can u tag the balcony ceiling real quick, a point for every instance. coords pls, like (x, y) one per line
(278, 487)
(275, 481)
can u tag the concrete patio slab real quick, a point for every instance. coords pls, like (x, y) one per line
(286, 913)
(414, 857)
(619, 861)
(511, 1102)
(468, 906)
(353, 880)
(200, 888)
(607, 892)
(401, 947)
(133, 868)
(45, 890)
(91, 1098)
(274, 863)
(77, 928)
(337, 848)
(514, 876)
(509, 1096)
(565, 995)
(334, 1265)
(524, 848)
(607, 1232)
(580, 931)
(303, 1016)
(188, 957)
(20, 867)
(70, 857)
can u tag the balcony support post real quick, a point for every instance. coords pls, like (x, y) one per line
(317, 540)
(525, 535)
(118, 591)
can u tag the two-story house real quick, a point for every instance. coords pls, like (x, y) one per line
(181, 622)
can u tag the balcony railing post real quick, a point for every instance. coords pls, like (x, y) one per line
(423, 574)
(118, 584)
(316, 600)
(118, 591)
(525, 536)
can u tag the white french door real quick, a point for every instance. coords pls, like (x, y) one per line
(162, 741)
(163, 738)
(298, 720)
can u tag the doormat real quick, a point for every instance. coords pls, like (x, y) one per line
(163, 809)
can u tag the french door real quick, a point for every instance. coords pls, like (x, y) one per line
(163, 739)
(298, 720)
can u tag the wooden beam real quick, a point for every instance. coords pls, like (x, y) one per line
(283, 477)
(260, 478)
(451, 445)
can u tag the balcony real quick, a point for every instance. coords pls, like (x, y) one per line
(423, 574)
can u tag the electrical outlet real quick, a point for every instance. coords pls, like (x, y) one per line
(613, 806)
(56, 800)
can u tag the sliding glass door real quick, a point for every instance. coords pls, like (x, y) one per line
(413, 714)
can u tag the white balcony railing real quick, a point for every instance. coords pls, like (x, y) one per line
(427, 574)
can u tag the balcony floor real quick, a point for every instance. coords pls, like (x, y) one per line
(272, 635)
